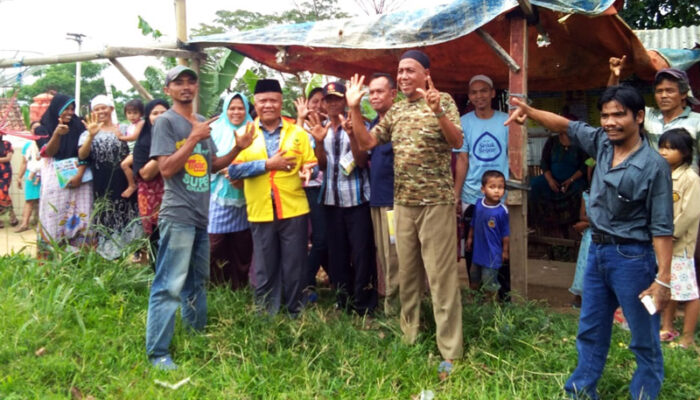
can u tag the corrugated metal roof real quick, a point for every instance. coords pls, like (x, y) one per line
(687, 37)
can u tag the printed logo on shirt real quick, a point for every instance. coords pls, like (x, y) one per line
(676, 196)
(492, 223)
(196, 178)
(196, 165)
(487, 147)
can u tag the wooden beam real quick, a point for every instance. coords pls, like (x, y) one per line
(134, 82)
(181, 25)
(517, 159)
(106, 53)
(500, 51)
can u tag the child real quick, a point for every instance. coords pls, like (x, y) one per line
(676, 146)
(489, 233)
(133, 110)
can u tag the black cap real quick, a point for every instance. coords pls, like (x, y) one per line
(334, 89)
(175, 72)
(417, 55)
(267, 85)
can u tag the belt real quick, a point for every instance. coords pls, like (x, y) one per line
(601, 238)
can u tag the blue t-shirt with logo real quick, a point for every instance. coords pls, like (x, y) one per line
(486, 142)
(490, 225)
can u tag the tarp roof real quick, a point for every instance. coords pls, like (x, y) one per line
(583, 34)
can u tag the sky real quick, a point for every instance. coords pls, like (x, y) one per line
(38, 27)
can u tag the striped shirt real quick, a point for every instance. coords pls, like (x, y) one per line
(226, 219)
(339, 189)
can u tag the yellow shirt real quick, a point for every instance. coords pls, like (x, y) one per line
(282, 186)
(686, 210)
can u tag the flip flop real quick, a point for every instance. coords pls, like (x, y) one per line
(677, 345)
(668, 336)
(22, 229)
(444, 370)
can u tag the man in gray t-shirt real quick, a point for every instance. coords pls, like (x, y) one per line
(186, 156)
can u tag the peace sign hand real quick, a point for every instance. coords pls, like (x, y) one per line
(354, 91)
(246, 139)
(431, 96)
(61, 128)
(318, 131)
(91, 124)
(202, 130)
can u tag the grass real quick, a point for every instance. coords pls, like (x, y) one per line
(89, 316)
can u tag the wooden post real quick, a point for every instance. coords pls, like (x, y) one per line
(181, 25)
(517, 158)
(134, 82)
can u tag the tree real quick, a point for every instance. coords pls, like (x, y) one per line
(659, 14)
(61, 78)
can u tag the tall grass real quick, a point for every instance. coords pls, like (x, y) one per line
(89, 316)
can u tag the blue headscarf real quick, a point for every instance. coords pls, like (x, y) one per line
(223, 134)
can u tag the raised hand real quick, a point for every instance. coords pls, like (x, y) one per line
(302, 108)
(246, 139)
(431, 96)
(318, 131)
(61, 128)
(202, 130)
(92, 125)
(306, 171)
(279, 162)
(354, 91)
(346, 123)
(519, 114)
(616, 65)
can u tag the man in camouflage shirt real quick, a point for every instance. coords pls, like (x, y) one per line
(423, 129)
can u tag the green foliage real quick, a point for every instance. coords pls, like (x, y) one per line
(61, 78)
(89, 316)
(25, 115)
(147, 30)
(215, 78)
(315, 81)
(657, 14)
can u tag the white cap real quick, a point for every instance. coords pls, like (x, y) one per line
(101, 99)
(482, 78)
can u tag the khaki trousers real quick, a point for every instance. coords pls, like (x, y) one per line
(426, 240)
(388, 261)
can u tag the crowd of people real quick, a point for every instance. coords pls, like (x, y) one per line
(253, 194)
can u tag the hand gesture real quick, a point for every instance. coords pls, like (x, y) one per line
(61, 128)
(202, 130)
(306, 171)
(346, 123)
(91, 124)
(616, 65)
(279, 162)
(431, 96)
(519, 114)
(302, 108)
(354, 91)
(246, 139)
(318, 131)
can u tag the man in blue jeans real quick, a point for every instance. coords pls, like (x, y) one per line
(631, 211)
(186, 156)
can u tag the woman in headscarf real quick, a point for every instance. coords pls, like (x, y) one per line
(116, 218)
(230, 239)
(147, 176)
(65, 201)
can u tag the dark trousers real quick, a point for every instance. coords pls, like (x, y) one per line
(352, 264)
(280, 262)
(318, 255)
(230, 258)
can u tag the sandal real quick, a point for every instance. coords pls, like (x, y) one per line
(444, 370)
(22, 229)
(677, 345)
(14, 221)
(668, 336)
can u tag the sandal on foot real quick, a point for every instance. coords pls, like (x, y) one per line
(22, 229)
(444, 370)
(668, 336)
(164, 363)
(677, 345)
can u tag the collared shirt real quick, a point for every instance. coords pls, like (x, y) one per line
(257, 167)
(655, 126)
(686, 210)
(339, 189)
(381, 174)
(422, 155)
(632, 200)
(226, 219)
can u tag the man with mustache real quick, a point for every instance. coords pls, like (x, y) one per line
(631, 215)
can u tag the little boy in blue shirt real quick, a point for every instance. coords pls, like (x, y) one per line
(489, 233)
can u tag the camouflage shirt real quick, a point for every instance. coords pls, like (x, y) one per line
(422, 156)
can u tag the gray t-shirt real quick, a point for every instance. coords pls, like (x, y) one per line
(186, 197)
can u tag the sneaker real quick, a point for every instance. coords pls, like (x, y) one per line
(164, 363)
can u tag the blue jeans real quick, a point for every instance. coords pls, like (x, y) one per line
(615, 275)
(182, 270)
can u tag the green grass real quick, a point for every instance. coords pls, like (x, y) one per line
(90, 317)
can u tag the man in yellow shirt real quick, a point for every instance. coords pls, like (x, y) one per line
(276, 203)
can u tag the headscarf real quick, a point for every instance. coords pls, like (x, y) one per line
(223, 135)
(49, 121)
(142, 148)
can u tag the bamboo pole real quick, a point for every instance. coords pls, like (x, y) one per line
(181, 25)
(106, 53)
(134, 82)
